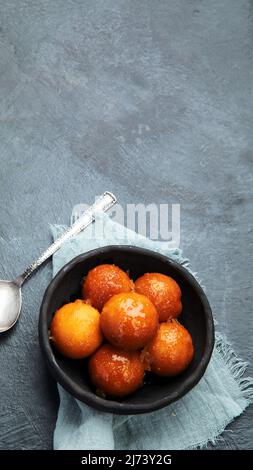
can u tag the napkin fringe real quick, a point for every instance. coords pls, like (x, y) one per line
(237, 368)
(236, 365)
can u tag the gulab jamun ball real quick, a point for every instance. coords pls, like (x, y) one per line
(129, 320)
(163, 292)
(115, 372)
(75, 330)
(170, 351)
(103, 282)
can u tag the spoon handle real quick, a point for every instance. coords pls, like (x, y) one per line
(102, 204)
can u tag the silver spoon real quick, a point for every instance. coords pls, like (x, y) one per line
(10, 291)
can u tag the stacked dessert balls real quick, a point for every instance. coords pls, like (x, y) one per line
(125, 328)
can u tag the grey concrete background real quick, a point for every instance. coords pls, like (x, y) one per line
(149, 99)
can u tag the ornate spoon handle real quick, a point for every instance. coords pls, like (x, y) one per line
(102, 204)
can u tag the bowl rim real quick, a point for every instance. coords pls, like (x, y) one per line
(89, 397)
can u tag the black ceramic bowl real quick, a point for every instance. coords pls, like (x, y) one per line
(156, 392)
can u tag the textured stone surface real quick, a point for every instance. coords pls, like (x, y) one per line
(152, 100)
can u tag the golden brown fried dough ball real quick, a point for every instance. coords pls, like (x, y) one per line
(75, 330)
(163, 291)
(103, 282)
(170, 351)
(115, 372)
(129, 320)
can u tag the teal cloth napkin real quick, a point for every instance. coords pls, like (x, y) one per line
(196, 419)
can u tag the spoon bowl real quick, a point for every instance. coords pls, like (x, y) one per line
(10, 305)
